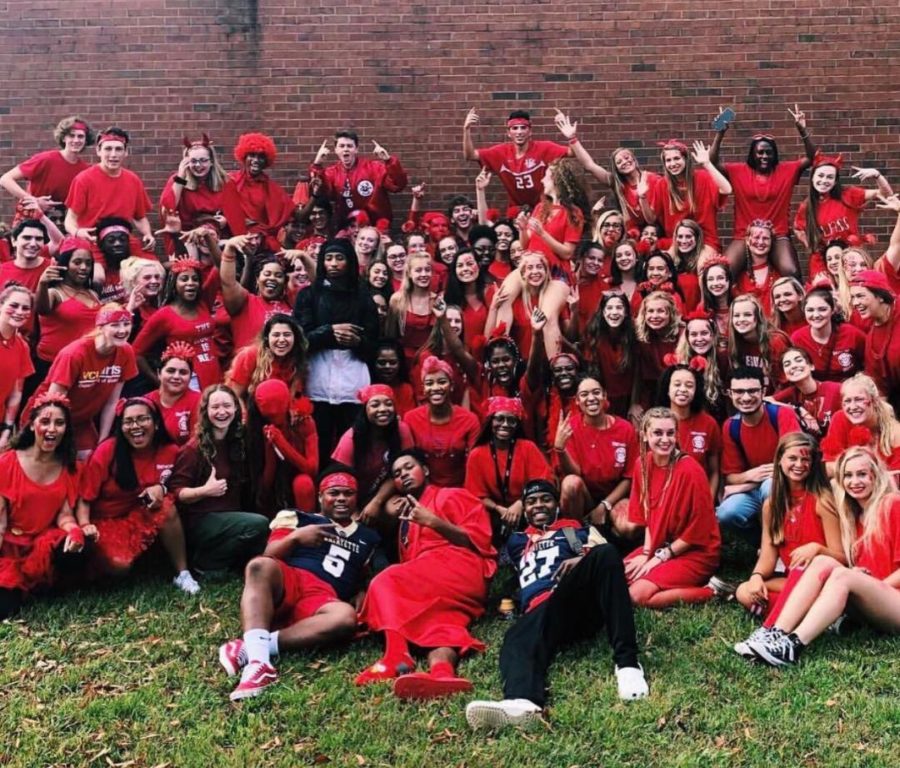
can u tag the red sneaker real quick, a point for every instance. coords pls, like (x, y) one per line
(380, 671)
(256, 678)
(421, 685)
(233, 657)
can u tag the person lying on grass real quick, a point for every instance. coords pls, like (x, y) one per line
(570, 586)
(304, 584)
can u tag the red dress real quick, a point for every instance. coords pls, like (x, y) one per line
(618, 382)
(15, 362)
(416, 331)
(127, 528)
(26, 554)
(193, 203)
(445, 445)
(680, 507)
(437, 589)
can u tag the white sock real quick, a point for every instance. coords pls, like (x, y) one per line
(273, 643)
(256, 642)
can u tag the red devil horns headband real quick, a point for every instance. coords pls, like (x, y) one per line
(203, 141)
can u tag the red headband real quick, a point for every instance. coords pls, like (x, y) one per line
(107, 316)
(182, 350)
(822, 159)
(112, 228)
(51, 398)
(183, 265)
(203, 141)
(111, 137)
(514, 121)
(338, 480)
(70, 243)
(648, 287)
(698, 314)
(434, 364)
(78, 126)
(717, 261)
(696, 363)
(374, 390)
(511, 405)
(571, 355)
(673, 144)
(125, 401)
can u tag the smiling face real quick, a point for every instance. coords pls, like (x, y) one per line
(564, 369)
(338, 503)
(785, 297)
(856, 403)
(674, 161)
(378, 275)
(461, 216)
(81, 268)
(138, 426)
(416, 244)
(818, 313)
(743, 317)
(590, 398)
(824, 178)
(455, 320)
(504, 426)
(28, 244)
(534, 270)
(656, 314)
(854, 263)
(865, 302)
(437, 388)
(447, 250)
(682, 388)
(466, 268)
(380, 410)
(174, 376)
(16, 309)
(367, 240)
(281, 340)
(833, 256)
(221, 410)
(396, 259)
(657, 270)
(795, 366)
(796, 463)
(187, 285)
(255, 163)
(149, 280)
(116, 334)
(746, 395)
(858, 478)
(700, 336)
(614, 312)
(519, 133)
(717, 281)
(502, 364)
(626, 258)
(387, 365)
(74, 141)
(483, 248)
(661, 435)
(539, 509)
(271, 281)
(592, 261)
(612, 230)
(624, 161)
(199, 162)
(49, 428)
(505, 236)
(685, 239)
(759, 242)
(420, 270)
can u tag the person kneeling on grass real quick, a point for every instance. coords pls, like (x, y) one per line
(570, 585)
(305, 583)
(437, 589)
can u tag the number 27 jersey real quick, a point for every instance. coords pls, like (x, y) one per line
(537, 560)
(340, 560)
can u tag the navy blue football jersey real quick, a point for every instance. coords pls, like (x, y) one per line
(340, 559)
(537, 563)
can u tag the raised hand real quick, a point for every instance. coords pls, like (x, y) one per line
(322, 153)
(700, 154)
(891, 203)
(538, 320)
(418, 191)
(799, 117)
(483, 179)
(471, 120)
(864, 174)
(566, 127)
(380, 152)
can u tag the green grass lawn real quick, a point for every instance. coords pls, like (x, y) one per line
(128, 676)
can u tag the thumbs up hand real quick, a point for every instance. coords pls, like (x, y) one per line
(214, 486)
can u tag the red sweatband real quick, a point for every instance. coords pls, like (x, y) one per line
(111, 137)
(78, 126)
(76, 534)
(338, 480)
(511, 405)
(184, 265)
(517, 121)
(112, 228)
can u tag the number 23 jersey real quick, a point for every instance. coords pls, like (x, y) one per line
(537, 557)
(340, 559)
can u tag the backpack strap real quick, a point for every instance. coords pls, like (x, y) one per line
(574, 542)
(734, 429)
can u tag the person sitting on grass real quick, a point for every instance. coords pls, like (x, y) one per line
(438, 588)
(570, 586)
(868, 587)
(304, 584)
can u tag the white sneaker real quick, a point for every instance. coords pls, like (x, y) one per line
(186, 583)
(760, 634)
(495, 714)
(631, 682)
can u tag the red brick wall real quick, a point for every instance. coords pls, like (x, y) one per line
(404, 72)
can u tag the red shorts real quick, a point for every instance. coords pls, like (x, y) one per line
(304, 594)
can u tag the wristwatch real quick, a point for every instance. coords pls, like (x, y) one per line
(664, 554)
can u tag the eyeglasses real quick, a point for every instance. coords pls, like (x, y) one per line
(751, 391)
(136, 421)
(611, 225)
(200, 161)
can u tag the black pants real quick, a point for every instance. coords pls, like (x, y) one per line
(592, 595)
(332, 420)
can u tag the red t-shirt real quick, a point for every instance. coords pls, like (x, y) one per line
(759, 441)
(94, 194)
(484, 475)
(521, 176)
(842, 356)
(887, 269)
(838, 440)
(244, 364)
(445, 445)
(560, 227)
(180, 418)
(69, 321)
(835, 219)
(882, 357)
(15, 362)
(802, 525)
(166, 326)
(605, 456)
(32, 507)
(192, 204)
(246, 325)
(89, 377)
(699, 436)
(10, 273)
(617, 383)
(98, 485)
(49, 173)
(823, 403)
(634, 215)
(762, 195)
(707, 201)
(881, 555)
(374, 469)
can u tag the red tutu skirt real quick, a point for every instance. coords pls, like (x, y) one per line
(123, 539)
(430, 600)
(27, 563)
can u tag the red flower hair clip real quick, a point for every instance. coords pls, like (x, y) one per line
(861, 436)
(51, 398)
(182, 350)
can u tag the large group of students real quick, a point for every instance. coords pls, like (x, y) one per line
(372, 418)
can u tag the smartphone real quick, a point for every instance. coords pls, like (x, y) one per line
(723, 120)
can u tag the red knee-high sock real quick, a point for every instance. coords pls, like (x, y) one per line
(396, 649)
(442, 669)
(669, 597)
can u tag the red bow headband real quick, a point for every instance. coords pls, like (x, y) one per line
(107, 316)
(181, 350)
(184, 265)
(338, 480)
(374, 390)
(434, 364)
(822, 159)
(648, 287)
(126, 401)
(51, 398)
(511, 405)
(673, 144)
(696, 363)
(859, 436)
(698, 314)
(203, 141)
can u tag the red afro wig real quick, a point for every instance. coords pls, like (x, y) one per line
(255, 142)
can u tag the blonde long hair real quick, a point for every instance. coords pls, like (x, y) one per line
(670, 332)
(873, 513)
(645, 458)
(712, 379)
(402, 299)
(884, 412)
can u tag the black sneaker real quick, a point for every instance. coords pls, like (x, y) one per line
(778, 650)
(759, 635)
